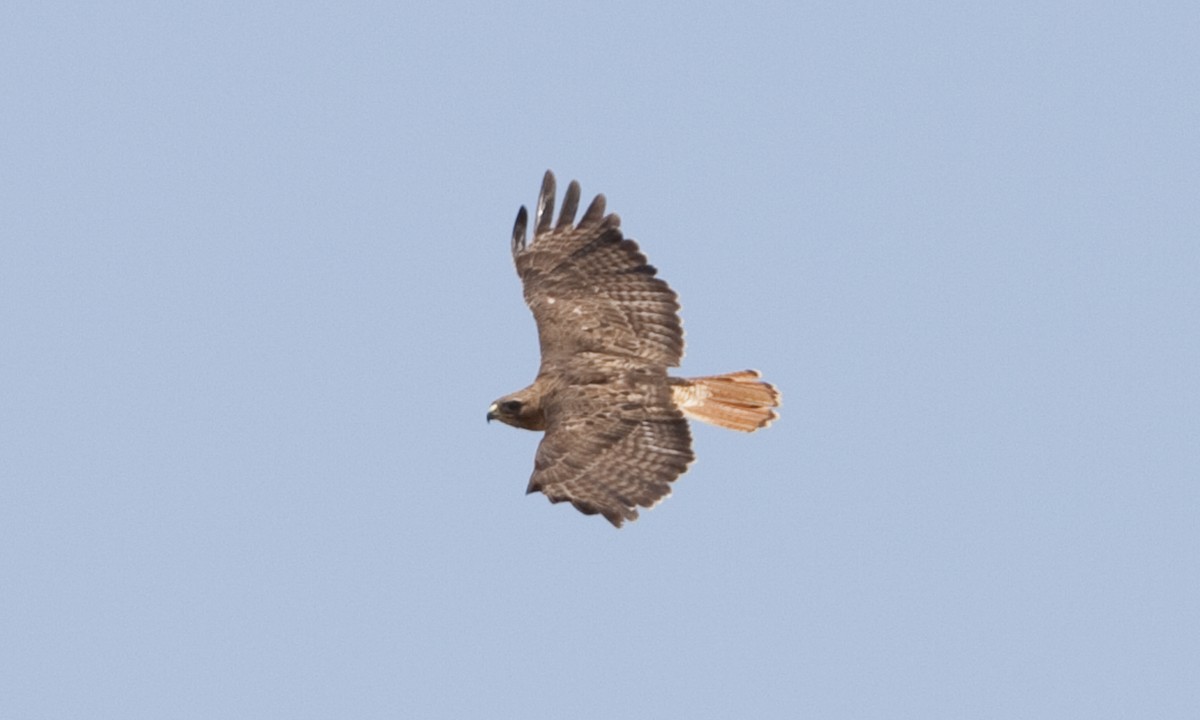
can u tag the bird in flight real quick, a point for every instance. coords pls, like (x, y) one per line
(615, 423)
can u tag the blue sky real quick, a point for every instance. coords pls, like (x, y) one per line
(256, 296)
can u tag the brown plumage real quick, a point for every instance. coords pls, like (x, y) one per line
(615, 422)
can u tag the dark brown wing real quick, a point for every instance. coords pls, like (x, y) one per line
(590, 288)
(612, 446)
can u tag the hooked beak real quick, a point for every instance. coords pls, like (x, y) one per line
(491, 413)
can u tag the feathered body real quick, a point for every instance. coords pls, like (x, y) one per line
(616, 433)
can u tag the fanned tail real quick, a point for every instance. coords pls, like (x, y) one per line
(737, 400)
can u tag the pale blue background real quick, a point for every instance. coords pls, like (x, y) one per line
(256, 296)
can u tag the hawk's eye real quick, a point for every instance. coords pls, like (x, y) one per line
(511, 406)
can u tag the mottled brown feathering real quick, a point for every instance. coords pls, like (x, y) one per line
(616, 434)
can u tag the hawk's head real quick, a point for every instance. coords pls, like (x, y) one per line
(520, 409)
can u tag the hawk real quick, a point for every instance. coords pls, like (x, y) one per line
(615, 423)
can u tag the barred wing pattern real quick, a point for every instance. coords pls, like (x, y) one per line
(612, 447)
(590, 288)
(608, 330)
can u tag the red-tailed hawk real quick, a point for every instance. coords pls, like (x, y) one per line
(616, 433)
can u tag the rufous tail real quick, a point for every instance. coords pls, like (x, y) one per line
(736, 400)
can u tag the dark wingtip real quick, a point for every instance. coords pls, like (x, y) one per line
(595, 211)
(518, 236)
(618, 519)
(570, 205)
(545, 208)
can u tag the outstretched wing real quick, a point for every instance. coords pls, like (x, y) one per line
(614, 446)
(590, 288)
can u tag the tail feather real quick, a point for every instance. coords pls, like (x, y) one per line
(737, 400)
